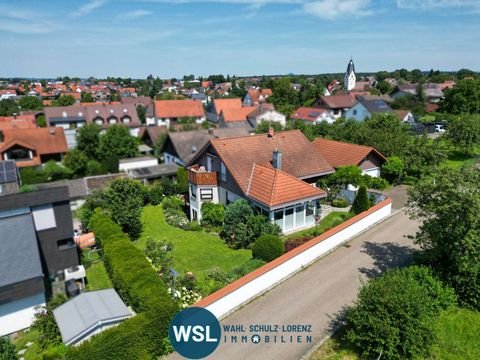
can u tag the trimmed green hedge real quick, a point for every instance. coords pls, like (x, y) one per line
(143, 336)
(131, 273)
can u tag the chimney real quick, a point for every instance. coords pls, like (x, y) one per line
(52, 130)
(210, 131)
(14, 116)
(271, 132)
(277, 159)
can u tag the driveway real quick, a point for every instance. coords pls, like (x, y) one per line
(317, 294)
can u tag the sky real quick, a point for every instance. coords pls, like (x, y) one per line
(171, 38)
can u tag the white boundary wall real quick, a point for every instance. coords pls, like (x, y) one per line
(227, 304)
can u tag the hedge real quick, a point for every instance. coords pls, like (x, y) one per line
(131, 273)
(142, 336)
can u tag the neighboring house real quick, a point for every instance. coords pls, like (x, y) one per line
(136, 163)
(17, 122)
(70, 118)
(170, 111)
(151, 134)
(144, 101)
(350, 77)
(274, 172)
(336, 105)
(364, 109)
(266, 112)
(432, 92)
(339, 153)
(218, 105)
(89, 314)
(7, 94)
(153, 173)
(9, 179)
(235, 117)
(256, 96)
(312, 115)
(36, 245)
(32, 147)
(405, 116)
(200, 97)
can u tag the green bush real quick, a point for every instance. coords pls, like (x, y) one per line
(176, 217)
(361, 202)
(212, 214)
(267, 247)
(173, 202)
(376, 183)
(131, 273)
(31, 175)
(395, 314)
(7, 349)
(193, 226)
(155, 193)
(54, 171)
(340, 202)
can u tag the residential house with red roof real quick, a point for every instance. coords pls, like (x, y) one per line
(275, 172)
(339, 153)
(32, 147)
(26, 121)
(218, 105)
(168, 111)
(256, 96)
(336, 105)
(311, 115)
(266, 112)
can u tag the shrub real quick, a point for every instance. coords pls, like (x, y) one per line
(45, 323)
(173, 202)
(340, 202)
(234, 230)
(375, 182)
(267, 247)
(193, 226)
(395, 314)
(155, 193)
(31, 175)
(54, 171)
(393, 169)
(94, 168)
(293, 243)
(361, 202)
(160, 255)
(176, 217)
(247, 267)
(212, 214)
(7, 349)
(131, 273)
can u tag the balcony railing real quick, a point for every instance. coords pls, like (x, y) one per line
(198, 176)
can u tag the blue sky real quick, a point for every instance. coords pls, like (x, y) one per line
(169, 38)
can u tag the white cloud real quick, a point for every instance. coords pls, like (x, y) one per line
(135, 14)
(334, 9)
(88, 8)
(437, 4)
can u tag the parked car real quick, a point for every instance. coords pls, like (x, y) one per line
(439, 128)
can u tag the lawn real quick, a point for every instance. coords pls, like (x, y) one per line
(458, 336)
(331, 220)
(195, 251)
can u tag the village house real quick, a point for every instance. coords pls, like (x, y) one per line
(275, 172)
(364, 109)
(32, 147)
(216, 107)
(336, 105)
(256, 96)
(266, 113)
(171, 111)
(312, 115)
(339, 153)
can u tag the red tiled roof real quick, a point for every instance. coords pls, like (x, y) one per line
(255, 94)
(431, 107)
(339, 101)
(274, 187)
(340, 153)
(401, 113)
(237, 114)
(43, 140)
(307, 113)
(222, 104)
(178, 108)
(299, 157)
(18, 122)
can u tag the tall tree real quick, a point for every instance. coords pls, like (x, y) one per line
(117, 143)
(464, 133)
(464, 98)
(30, 103)
(448, 204)
(88, 140)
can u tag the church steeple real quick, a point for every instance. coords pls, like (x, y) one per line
(350, 77)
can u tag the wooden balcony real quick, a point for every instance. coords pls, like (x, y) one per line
(197, 177)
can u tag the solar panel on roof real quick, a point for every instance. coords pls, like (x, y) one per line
(314, 114)
(8, 172)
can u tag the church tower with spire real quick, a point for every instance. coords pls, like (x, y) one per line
(350, 77)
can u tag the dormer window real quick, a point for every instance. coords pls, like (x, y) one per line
(126, 120)
(112, 120)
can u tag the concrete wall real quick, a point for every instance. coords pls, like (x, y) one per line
(240, 292)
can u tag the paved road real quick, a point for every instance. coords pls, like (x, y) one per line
(316, 294)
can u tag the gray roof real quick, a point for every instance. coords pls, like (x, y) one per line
(19, 255)
(84, 313)
(154, 172)
(187, 143)
(135, 159)
(76, 188)
(376, 106)
(350, 67)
